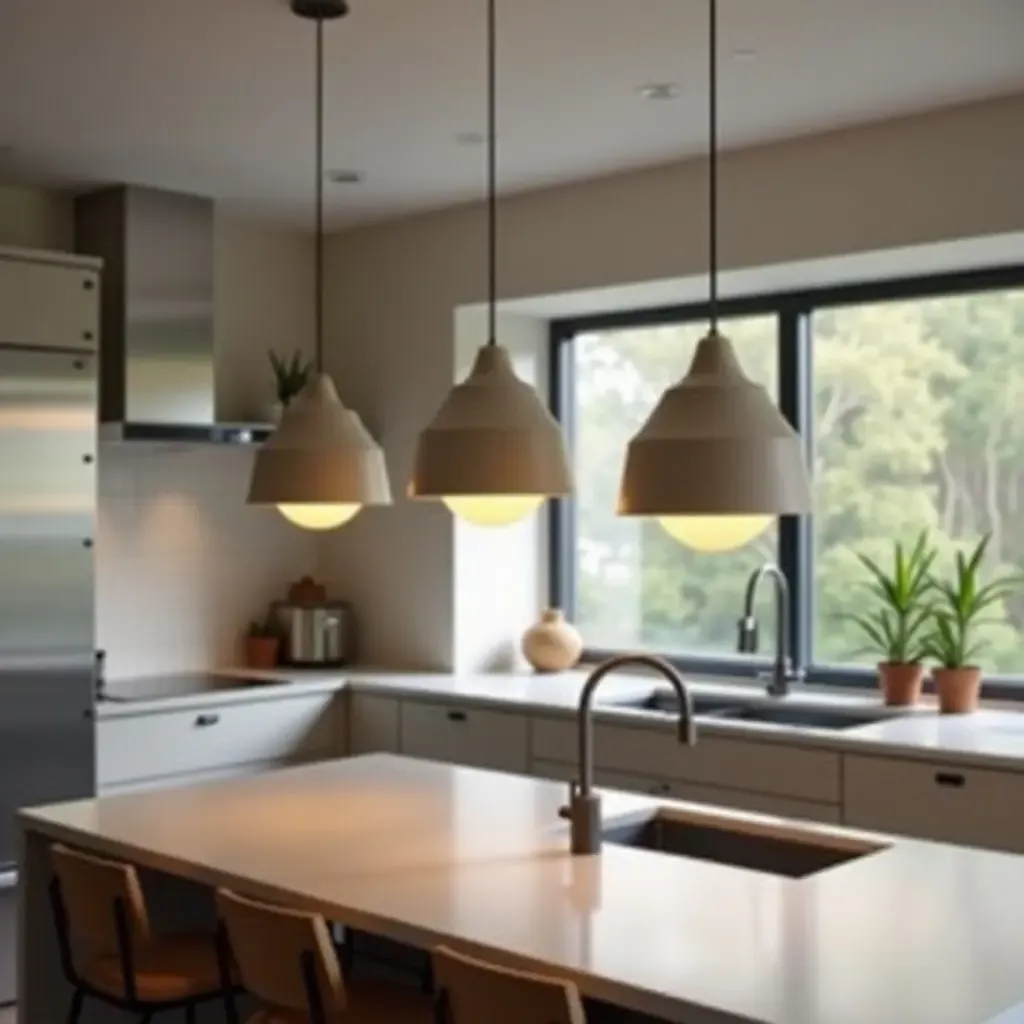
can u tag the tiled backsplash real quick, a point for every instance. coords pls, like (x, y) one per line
(182, 562)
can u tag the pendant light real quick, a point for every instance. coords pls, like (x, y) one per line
(321, 465)
(716, 461)
(493, 452)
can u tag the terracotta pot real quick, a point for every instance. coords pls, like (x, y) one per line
(261, 651)
(958, 689)
(552, 645)
(900, 682)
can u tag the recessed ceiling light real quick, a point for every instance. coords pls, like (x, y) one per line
(744, 53)
(660, 91)
(343, 176)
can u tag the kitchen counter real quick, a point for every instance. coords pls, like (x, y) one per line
(914, 933)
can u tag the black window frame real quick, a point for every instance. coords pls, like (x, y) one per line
(794, 310)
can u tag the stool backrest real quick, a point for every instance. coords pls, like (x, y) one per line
(282, 954)
(91, 890)
(475, 992)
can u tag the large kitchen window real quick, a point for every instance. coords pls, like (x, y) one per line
(911, 397)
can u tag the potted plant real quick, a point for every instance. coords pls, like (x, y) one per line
(952, 641)
(291, 375)
(262, 642)
(896, 628)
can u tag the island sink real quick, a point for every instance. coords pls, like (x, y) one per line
(785, 852)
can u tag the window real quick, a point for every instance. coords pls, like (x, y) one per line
(911, 395)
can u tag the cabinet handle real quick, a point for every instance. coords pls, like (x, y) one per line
(203, 721)
(456, 716)
(953, 779)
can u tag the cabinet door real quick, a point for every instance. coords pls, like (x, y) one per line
(931, 800)
(372, 724)
(46, 305)
(465, 735)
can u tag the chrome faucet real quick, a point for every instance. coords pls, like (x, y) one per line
(584, 808)
(782, 674)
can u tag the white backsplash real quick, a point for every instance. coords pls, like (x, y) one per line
(182, 563)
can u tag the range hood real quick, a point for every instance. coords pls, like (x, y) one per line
(157, 366)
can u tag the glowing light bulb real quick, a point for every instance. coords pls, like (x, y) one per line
(494, 509)
(318, 517)
(714, 534)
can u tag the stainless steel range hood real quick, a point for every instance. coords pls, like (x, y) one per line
(157, 362)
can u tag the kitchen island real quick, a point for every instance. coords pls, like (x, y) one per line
(902, 932)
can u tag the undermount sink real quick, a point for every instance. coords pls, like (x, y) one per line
(668, 703)
(785, 852)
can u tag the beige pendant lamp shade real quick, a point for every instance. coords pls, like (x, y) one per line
(493, 452)
(716, 461)
(320, 466)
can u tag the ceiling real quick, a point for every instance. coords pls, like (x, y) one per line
(215, 96)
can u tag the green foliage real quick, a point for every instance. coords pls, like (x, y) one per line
(896, 628)
(290, 375)
(952, 641)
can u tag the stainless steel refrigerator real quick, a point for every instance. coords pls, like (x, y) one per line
(48, 404)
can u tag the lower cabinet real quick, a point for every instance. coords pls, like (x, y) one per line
(465, 735)
(373, 724)
(932, 800)
(716, 796)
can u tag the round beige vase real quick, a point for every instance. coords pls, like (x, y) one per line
(900, 683)
(958, 689)
(552, 645)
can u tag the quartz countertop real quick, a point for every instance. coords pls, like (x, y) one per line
(914, 933)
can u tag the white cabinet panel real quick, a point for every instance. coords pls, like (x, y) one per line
(931, 800)
(46, 305)
(162, 743)
(747, 765)
(372, 724)
(465, 735)
(237, 771)
(759, 803)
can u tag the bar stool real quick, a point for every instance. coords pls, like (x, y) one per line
(286, 960)
(474, 992)
(109, 952)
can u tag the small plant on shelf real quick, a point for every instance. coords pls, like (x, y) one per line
(952, 641)
(262, 644)
(896, 629)
(291, 374)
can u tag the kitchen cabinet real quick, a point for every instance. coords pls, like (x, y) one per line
(716, 796)
(933, 800)
(48, 305)
(461, 734)
(372, 724)
(777, 769)
(208, 737)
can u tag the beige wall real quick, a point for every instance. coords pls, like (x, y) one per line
(181, 562)
(394, 289)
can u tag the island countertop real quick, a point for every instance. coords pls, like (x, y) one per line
(915, 933)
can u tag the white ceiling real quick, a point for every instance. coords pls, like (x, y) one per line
(214, 96)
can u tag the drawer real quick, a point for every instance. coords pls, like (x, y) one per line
(45, 305)
(237, 771)
(758, 803)
(465, 735)
(372, 724)
(182, 742)
(932, 800)
(718, 761)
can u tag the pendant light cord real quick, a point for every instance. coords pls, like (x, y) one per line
(492, 173)
(319, 258)
(713, 168)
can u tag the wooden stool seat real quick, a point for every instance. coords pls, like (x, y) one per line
(369, 1002)
(170, 968)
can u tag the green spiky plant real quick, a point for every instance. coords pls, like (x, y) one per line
(291, 374)
(960, 606)
(896, 628)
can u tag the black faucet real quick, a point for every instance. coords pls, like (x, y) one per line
(783, 674)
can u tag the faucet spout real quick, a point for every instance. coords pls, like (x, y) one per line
(783, 673)
(584, 809)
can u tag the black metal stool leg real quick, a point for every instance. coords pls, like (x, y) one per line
(75, 1009)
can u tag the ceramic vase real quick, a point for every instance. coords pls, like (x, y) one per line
(552, 644)
(958, 689)
(900, 683)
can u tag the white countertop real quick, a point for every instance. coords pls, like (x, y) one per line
(989, 738)
(422, 852)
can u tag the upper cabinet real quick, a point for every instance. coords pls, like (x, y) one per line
(48, 304)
